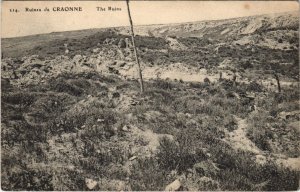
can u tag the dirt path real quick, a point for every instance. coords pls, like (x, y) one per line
(239, 140)
(293, 163)
(175, 71)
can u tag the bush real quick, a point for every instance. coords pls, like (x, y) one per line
(230, 123)
(179, 155)
(198, 85)
(19, 98)
(162, 84)
(62, 86)
(30, 180)
(254, 87)
(247, 65)
(150, 42)
(267, 133)
(240, 172)
(147, 175)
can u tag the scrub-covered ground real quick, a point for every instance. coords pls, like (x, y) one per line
(75, 119)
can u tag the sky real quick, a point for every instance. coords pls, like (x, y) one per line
(143, 13)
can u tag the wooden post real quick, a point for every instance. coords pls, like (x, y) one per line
(234, 79)
(278, 82)
(135, 51)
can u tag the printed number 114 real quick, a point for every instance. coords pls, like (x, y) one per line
(13, 10)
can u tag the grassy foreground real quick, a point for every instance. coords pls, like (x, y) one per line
(57, 134)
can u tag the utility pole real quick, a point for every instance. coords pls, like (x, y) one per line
(135, 51)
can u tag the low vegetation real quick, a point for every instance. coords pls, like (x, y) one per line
(72, 116)
(74, 120)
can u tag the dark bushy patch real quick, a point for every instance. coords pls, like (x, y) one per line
(161, 96)
(150, 42)
(240, 172)
(147, 175)
(62, 86)
(30, 180)
(19, 98)
(254, 87)
(180, 154)
(162, 84)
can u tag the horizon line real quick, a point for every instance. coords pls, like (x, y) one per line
(145, 25)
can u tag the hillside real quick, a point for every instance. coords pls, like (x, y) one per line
(218, 29)
(222, 28)
(212, 116)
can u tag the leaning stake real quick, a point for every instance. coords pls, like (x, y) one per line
(135, 52)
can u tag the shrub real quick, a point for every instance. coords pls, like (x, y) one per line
(179, 155)
(21, 98)
(161, 84)
(254, 87)
(147, 175)
(30, 180)
(60, 85)
(240, 172)
(198, 85)
(159, 97)
(230, 123)
(150, 42)
(247, 65)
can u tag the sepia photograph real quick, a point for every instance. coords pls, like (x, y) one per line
(150, 96)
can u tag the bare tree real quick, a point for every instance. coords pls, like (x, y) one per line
(135, 51)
